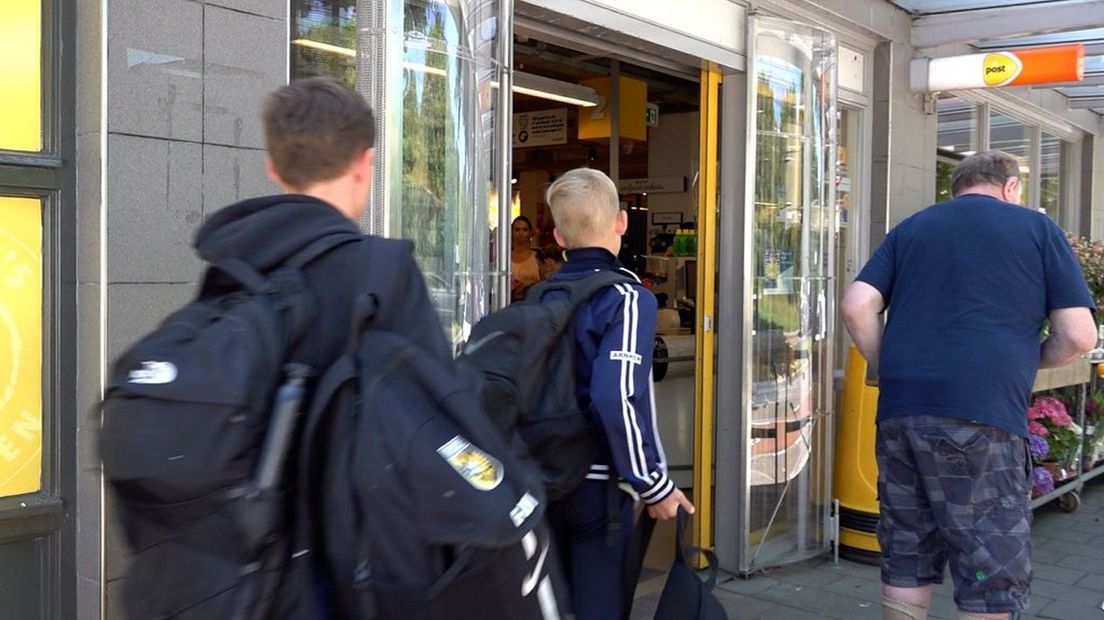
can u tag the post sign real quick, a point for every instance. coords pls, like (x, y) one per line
(1037, 65)
(543, 128)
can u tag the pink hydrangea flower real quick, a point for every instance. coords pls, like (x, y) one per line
(1061, 418)
(1036, 428)
(1049, 409)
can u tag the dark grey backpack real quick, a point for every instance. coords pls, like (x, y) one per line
(525, 356)
(198, 422)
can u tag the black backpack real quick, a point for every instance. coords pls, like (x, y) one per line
(198, 421)
(421, 510)
(525, 356)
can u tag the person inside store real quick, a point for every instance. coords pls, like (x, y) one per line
(967, 285)
(553, 258)
(527, 265)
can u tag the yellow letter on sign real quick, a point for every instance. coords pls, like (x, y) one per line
(20, 345)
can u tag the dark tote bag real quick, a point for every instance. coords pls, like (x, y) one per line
(686, 597)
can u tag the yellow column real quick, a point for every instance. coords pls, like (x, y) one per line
(707, 269)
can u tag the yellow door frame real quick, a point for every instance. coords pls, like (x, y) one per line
(709, 130)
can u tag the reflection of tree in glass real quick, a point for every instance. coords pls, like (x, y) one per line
(1048, 195)
(331, 22)
(425, 149)
(777, 233)
(943, 172)
(778, 180)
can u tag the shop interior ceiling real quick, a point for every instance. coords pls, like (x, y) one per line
(672, 94)
(1009, 24)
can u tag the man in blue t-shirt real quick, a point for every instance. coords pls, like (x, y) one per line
(968, 284)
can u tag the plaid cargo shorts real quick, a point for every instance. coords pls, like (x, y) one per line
(955, 490)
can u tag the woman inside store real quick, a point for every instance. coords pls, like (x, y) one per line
(527, 265)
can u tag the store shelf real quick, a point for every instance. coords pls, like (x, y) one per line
(1074, 485)
(1097, 470)
(1078, 373)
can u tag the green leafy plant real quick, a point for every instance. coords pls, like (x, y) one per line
(1090, 254)
(1048, 418)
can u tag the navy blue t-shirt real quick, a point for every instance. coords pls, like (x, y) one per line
(969, 283)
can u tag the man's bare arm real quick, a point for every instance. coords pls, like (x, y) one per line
(862, 306)
(1072, 333)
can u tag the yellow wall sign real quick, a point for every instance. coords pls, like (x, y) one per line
(21, 75)
(20, 345)
(594, 123)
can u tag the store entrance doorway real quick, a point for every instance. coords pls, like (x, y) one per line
(565, 104)
(650, 129)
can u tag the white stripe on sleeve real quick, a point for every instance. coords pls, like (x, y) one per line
(633, 440)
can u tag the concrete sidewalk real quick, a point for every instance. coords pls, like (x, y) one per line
(1068, 582)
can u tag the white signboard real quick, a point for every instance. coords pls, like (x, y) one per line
(851, 69)
(543, 128)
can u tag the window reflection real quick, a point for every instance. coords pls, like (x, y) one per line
(323, 35)
(790, 235)
(958, 125)
(1050, 178)
(1013, 137)
(438, 130)
(957, 138)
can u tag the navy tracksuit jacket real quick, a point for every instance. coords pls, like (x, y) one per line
(615, 331)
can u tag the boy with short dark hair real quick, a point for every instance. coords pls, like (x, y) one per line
(320, 136)
(320, 139)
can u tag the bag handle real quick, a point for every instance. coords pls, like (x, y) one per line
(321, 246)
(682, 552)
(257, 283)
(366, 306)
(580, 289)
(240, 272)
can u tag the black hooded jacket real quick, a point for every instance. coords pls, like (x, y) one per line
(265, 232)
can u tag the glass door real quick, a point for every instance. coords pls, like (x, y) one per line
(790, 221)
(438, 148)
(851, 219)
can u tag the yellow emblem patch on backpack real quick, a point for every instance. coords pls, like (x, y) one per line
(480, 469)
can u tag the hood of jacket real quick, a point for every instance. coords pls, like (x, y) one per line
(265, 232)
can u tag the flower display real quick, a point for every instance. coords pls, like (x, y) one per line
(1041, 481)
(1048, 409)
(1053, 435)
(1037, 447)
(1090, 254)
(1037, 429)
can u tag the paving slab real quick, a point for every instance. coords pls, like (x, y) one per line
(1068, 585)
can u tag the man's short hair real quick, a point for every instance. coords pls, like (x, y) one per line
(584, 204)
(315, 128)
(984, 168)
